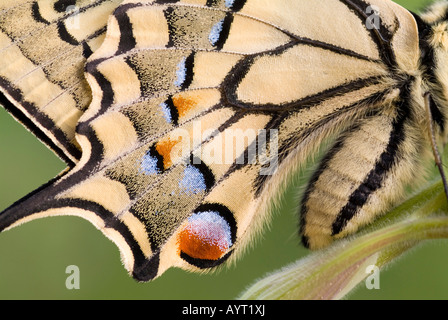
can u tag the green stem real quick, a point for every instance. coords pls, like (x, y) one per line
(334, 272)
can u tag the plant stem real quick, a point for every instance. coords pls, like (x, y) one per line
(334, 272)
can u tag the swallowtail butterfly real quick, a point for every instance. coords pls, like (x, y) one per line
(180, 121)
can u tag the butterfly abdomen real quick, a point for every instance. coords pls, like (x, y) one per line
(362, 175)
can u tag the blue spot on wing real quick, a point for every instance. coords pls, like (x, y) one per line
(235, 5)
(215, 33)
(181, 73)
(209, 225)
(166, 112)
(193, 181)
(229, 3)
(149, 164)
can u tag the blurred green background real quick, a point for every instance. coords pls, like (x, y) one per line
(34, 256)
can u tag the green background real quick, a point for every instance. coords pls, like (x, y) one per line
(34, 256)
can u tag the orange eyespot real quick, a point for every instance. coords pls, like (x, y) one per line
(207, 236)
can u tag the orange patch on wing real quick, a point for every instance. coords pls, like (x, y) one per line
(184, 104)
(164, 148)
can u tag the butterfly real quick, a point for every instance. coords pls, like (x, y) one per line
(181, 121)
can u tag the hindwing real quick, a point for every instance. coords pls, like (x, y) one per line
(44, 46)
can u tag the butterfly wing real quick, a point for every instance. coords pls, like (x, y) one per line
(200, 110)
(44, 46)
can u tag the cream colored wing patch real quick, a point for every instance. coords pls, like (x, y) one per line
(199, 111)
